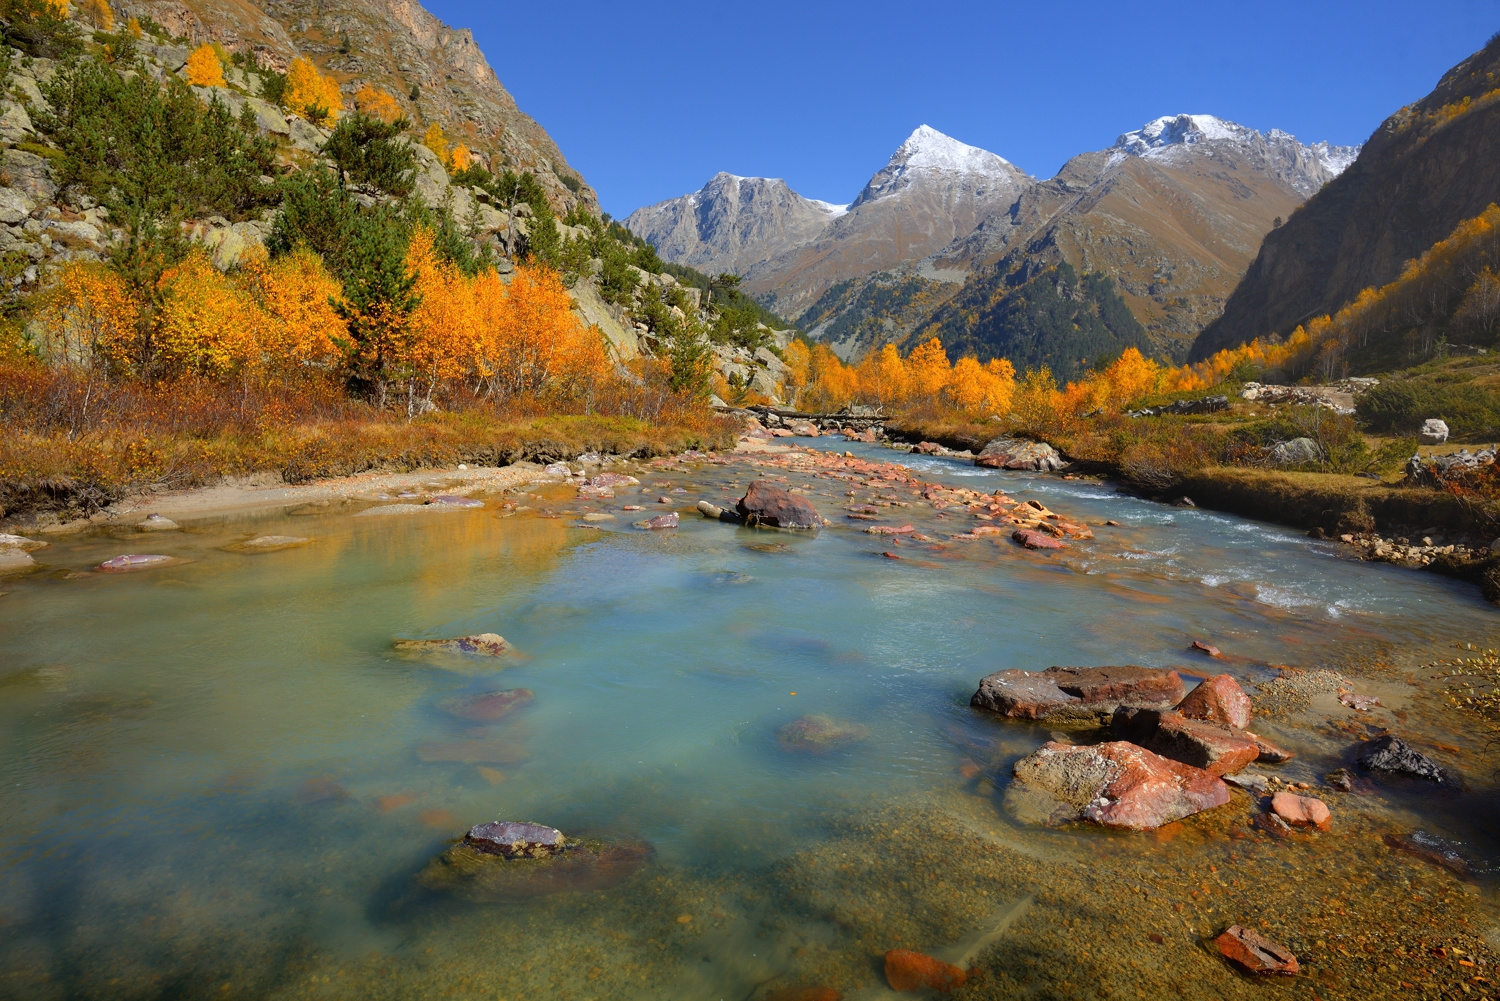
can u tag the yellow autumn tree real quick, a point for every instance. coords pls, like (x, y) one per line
(376, 103)
(89, 318)
(434, 140)
(205, 324)
(97, 13)
(883, 378)
(540, 346)
(831, 383)
(444, 324)
(981, 389)
(460, 159)
(797, 359)
(311, 94)
(134, 27)
(296, 293)
(928, 370)
(204, 68)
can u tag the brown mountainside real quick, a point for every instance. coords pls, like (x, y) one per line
(1426, 168)
(396, 45)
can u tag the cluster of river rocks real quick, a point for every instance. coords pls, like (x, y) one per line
(1404, 552)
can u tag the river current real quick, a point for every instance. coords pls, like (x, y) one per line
(218, 779)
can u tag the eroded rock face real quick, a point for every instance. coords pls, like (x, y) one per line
(768, 505)
(1115, 784)
(1220, 700)
(1076, 694)
(1393, 755)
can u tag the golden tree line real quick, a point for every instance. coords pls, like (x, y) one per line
(278, 319)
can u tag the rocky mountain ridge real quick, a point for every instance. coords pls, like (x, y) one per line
(1172, 211)
(1428, 167)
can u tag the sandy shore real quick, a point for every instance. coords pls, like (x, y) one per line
(266, 491)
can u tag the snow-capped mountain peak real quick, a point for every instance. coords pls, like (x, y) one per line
(928, 156)
(1179, 130)
(1174, 137)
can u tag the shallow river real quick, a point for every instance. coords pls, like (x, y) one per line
(218, 779)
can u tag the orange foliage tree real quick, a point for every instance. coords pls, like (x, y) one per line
(296, 293)
(206, 322)
(377, 104)
(310, 93)
(89, 319)
(204, 68)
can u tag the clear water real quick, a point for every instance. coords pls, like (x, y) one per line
(218, 779)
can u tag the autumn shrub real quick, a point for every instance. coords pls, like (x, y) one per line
(204, 68)
(311, 94)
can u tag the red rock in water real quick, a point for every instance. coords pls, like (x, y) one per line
(890, 555)
(1203, 647)
(1302, 811)
(1216, 749)
(1114, 784)
(1251, 951)
(516, 839)
(1033, 539)
(1095, 691)
(1220, 699)
(889, 530)
(661, 521)
(487, 707)
(913, 971)
(768, 505)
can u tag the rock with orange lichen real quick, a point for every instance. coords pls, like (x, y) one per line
(906, 970)
(1114, 784)
(1221, 700)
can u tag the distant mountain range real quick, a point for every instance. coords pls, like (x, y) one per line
(1173, 212)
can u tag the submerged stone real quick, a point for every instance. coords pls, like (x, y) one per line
(1033, 539)
(819, 734)
(267, 544)
(906, 970)
(487, 707)
(14, 560)
(769, 506)
(472, 752)
(1302, 811)
(1114, 784)
(587, 864)
(1254, 953)
(450, 500)
(134, 561)
(157, 523)
(661, 521)
(478, 645)
(21, 542)
(1395, 756)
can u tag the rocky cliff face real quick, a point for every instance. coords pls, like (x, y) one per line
(1425, 169)
(396, 45)
(732, 223)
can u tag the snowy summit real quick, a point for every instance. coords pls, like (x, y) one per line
(1171, 134)
(929, 154)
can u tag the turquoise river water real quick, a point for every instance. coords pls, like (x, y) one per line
(218, 779)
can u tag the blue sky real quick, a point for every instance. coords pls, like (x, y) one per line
(648, 100)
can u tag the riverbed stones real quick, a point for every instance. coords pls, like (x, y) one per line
(1395, 756)
(660, 522)
(1114, 784)
(1216, 749)
(1254, 953)
(135, 561)
(1086, 695)
(1221, 700)
(487, 707)
(14, 560)
(478, 645)
(1270, 753)
(1032, 538)
(21, 542)
(766, 505)
(587, 864)
(819, 734)
(1016, 453)
(1301, 811)
(906, 970)
(267, 544)
(516, 839)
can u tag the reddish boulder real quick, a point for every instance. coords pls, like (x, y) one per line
(1254, 953)
(1115, 784)
(913, 971)
(769, 506)
(1220, 700)
(1204, 648)
(1033, 539)
(1088, 693)
(661, 521)
(1302, 811)
(1216, 749)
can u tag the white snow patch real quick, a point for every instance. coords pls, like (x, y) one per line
(929, 149)
(834, 211)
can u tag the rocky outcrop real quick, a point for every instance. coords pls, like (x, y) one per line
(766, 505)
(1088, 695)
(1428, 167)
(1115, 784)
